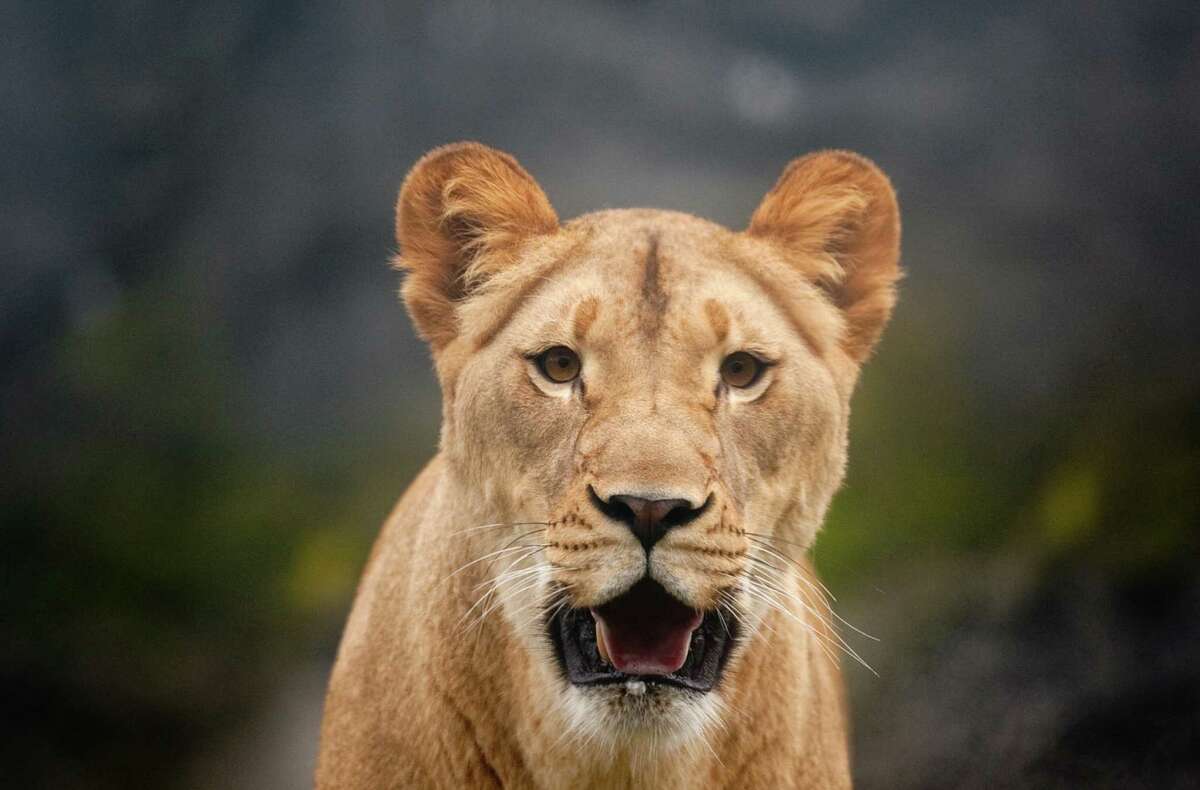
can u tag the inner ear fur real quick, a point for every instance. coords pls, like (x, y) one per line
(835, 215)
(462, 212)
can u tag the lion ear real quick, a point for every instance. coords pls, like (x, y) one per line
(834, 214)
(462, 212)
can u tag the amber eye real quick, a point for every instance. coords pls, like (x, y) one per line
(741, 369)
(559, 364)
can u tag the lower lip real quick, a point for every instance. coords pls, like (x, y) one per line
(711, 647)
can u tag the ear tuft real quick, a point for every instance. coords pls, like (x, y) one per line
(463, 211)
(835, 215)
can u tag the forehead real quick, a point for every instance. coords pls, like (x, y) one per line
(649, 274)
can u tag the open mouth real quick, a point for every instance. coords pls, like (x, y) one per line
(646, 635)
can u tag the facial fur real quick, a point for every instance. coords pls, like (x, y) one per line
(652, 302)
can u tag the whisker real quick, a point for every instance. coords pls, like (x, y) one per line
(807, 579)
(494, 585)
(522, 536)
(775, 539)
(776, 587)
(509, 575)
(779, 607)
(564, 601)
(724, 624)
(497, 525)
(490, 554)
(772, 551)
(499, 601)
(767, 587)
(768, 542)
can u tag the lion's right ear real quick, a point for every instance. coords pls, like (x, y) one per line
(462, 212)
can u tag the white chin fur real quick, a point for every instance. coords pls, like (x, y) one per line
(644, 719)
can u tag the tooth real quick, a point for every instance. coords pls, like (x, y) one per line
(601, 643)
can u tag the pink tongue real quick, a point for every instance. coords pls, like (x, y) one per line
(646, 631)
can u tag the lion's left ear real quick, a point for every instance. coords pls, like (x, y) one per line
(835, 214)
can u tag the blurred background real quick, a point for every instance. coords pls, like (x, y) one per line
(210, 396)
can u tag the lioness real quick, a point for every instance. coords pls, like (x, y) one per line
(598, 581)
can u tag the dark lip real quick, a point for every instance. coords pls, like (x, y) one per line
(572, 632)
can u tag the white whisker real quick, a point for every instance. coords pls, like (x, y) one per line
(497, 525)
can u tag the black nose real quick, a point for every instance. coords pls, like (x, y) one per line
(648, 519)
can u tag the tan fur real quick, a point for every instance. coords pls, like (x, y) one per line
(437, 683)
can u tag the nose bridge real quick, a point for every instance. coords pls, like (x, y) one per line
(642, 449)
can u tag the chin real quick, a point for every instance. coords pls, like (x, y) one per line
(643, 670)
(646, 721)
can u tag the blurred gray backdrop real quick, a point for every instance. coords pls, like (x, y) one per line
(210, 395)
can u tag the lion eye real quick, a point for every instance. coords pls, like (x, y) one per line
(559, 364)
(741, 369)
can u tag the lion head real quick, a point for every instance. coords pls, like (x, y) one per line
(646, 403)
